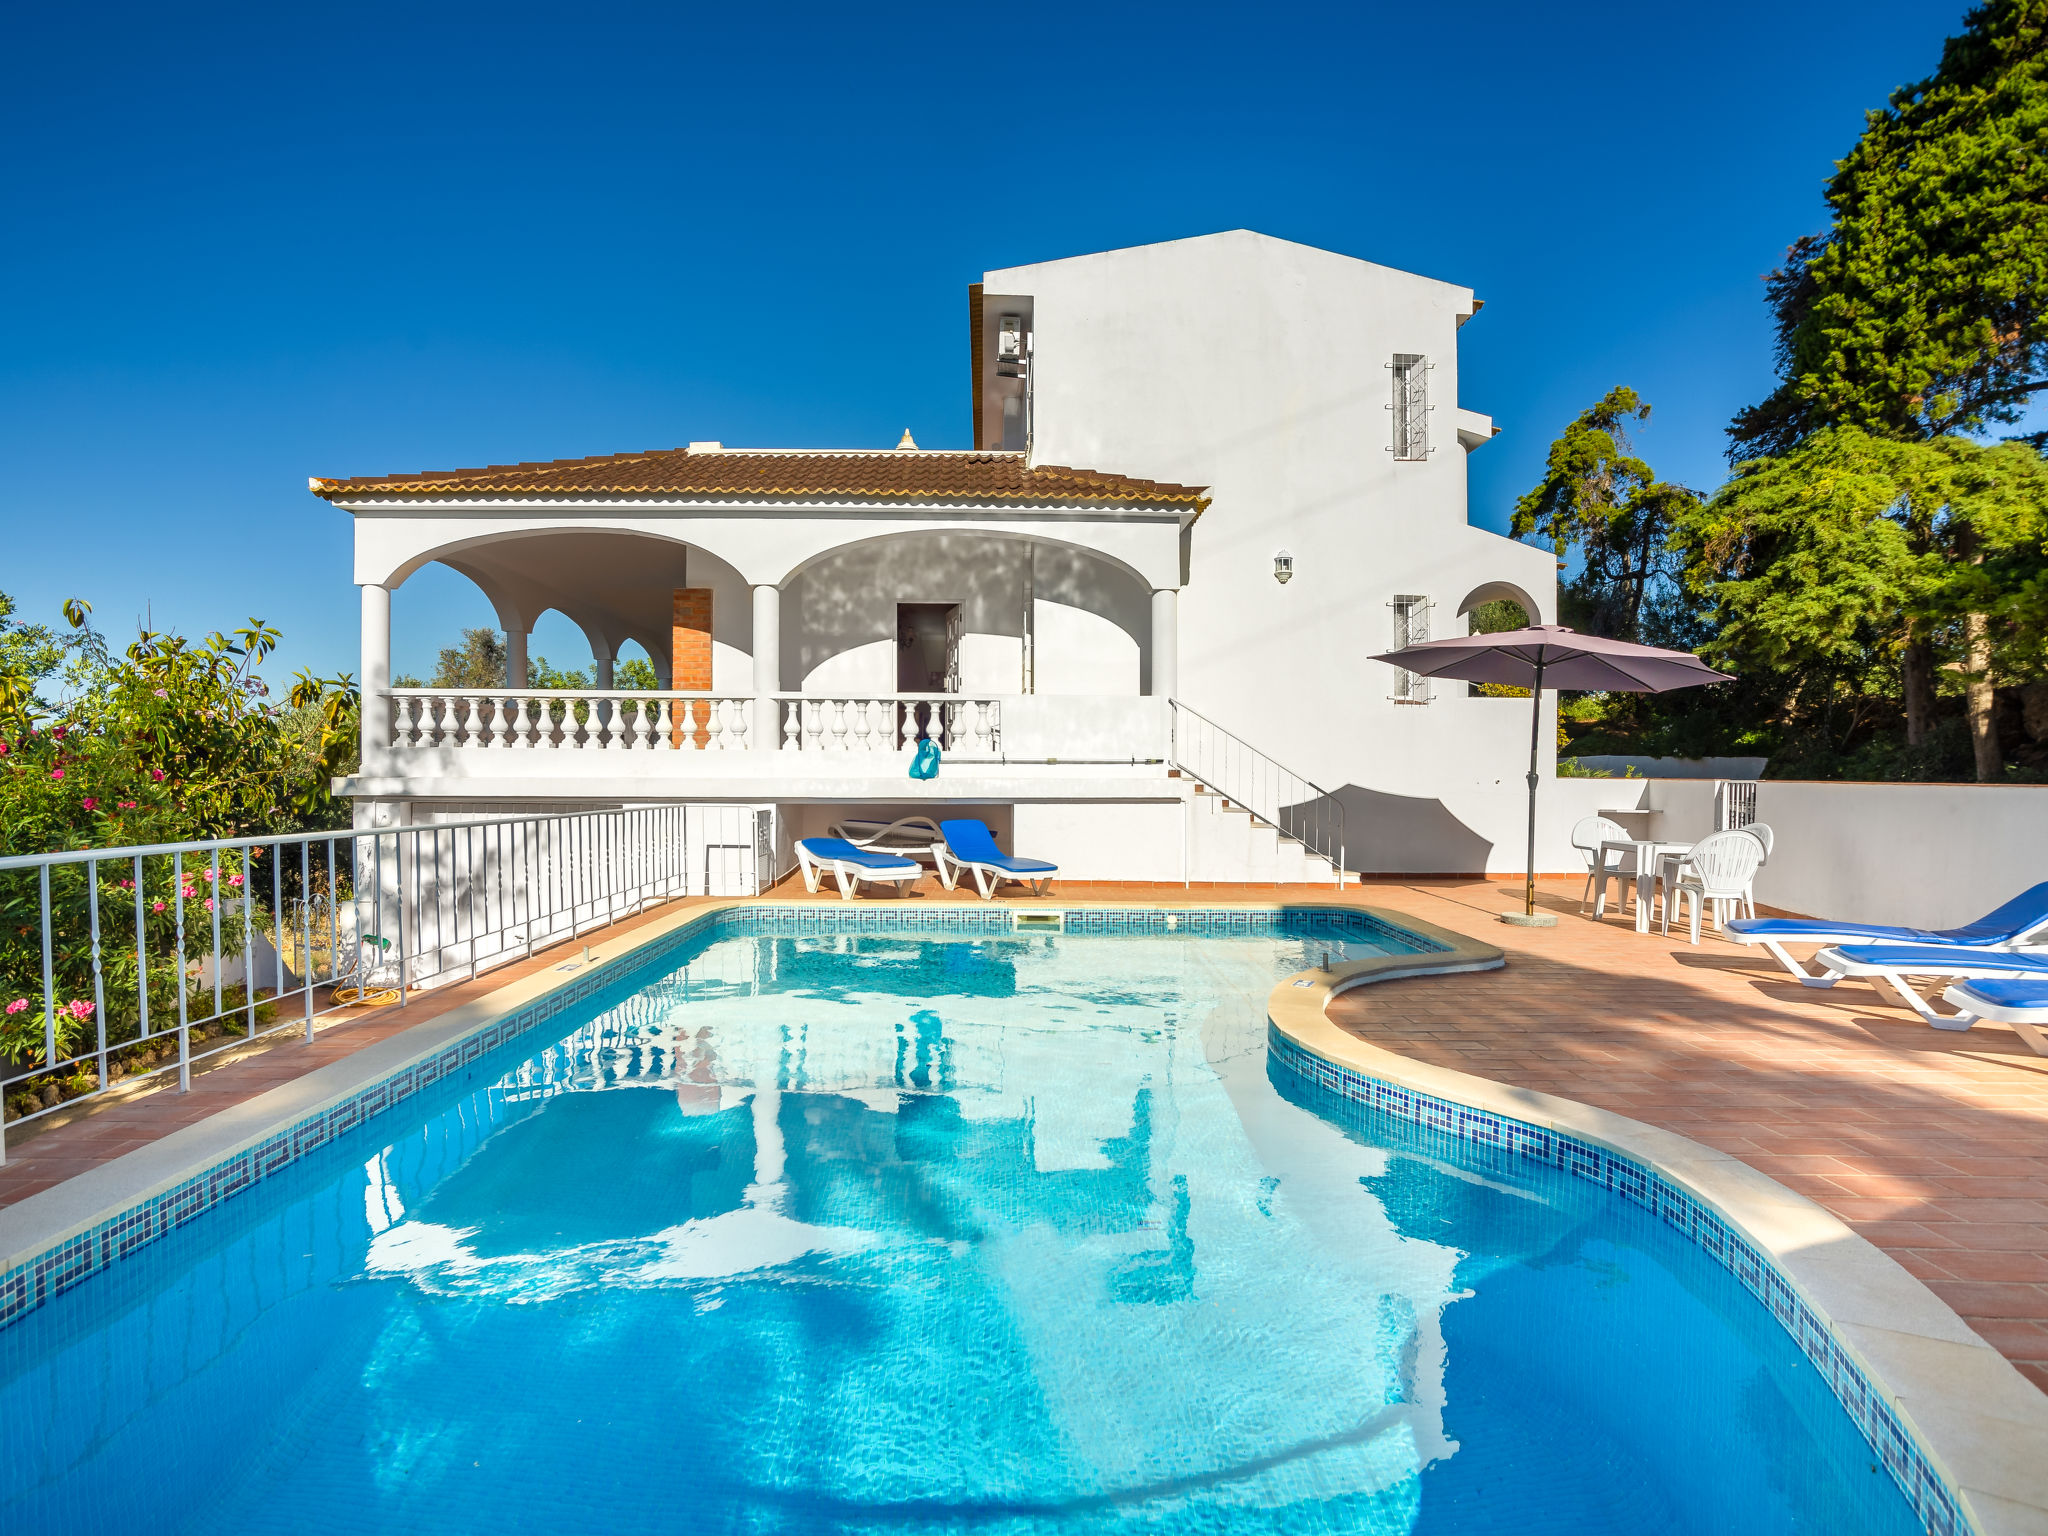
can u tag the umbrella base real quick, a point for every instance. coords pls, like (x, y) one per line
(1530, 919)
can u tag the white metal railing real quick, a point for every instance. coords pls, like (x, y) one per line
(1734, 803)
(891, 723)
(1245, 776)
(124, 964)
(564, 719)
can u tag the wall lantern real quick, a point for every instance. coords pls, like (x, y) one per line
(1283, 567)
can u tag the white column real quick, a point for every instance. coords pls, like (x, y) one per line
(376, 676)
(1165, 642)
(515, 658)
(1030, 624)
(767, 668)
(601, 709)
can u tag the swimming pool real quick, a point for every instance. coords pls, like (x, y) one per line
(920, 1230)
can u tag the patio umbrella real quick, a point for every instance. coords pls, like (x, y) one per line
(1552, 656)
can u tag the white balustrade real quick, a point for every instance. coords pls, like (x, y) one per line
(567, 720)
(612, 721)
(872, 726)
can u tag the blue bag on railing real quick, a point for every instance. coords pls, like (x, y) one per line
(926, 764)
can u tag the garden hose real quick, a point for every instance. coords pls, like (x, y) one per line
(355, 996)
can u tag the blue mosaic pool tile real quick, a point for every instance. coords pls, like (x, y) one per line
(1643, 1186)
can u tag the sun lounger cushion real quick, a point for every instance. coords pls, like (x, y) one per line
(836, 850)
(1942, 959)
(972, 843)
(2031, 992)
(2009, 924)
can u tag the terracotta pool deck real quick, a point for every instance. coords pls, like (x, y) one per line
(1934, 1146)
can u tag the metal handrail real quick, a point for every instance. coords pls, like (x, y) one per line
(151, 957)
(1734, 803)
(1270, 792)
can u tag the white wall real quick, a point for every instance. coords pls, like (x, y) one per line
(839, 616)
(1926, 855)
(1080, 728)
(1136, 840)
(1489, 830)
(1258, 368)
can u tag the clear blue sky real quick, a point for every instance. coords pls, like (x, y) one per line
(246, 246)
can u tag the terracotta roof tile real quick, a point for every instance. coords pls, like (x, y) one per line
(746, 472)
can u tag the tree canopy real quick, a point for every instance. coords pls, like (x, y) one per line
(480, 661)
(1598, 500)
(1923, 308)
(171, 740)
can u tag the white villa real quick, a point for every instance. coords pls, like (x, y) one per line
(1210, 478)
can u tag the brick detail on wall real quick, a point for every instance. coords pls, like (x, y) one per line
(690, 640)
(690, 647)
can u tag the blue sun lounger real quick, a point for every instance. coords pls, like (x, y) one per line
(2019, 921)
(1893, 963)
(819, 856)
(2021, 1003)
(970, 848)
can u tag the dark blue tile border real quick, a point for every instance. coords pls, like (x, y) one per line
(1643, 1186)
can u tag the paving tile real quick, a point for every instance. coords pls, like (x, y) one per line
(1992, 1298)
(1933, 1145)
(1976, 1264)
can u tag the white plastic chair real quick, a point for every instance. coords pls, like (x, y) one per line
(1718, 869)
(1767, 837)
(1587, 837)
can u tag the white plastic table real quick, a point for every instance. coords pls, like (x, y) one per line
(1650, 853)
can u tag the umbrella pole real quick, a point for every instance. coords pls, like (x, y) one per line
(1535, 736)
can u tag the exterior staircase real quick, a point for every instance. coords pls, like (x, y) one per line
(1251, 820)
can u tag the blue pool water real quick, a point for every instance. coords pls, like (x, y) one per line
(877, 1233)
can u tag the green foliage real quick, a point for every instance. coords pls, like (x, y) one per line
(1806, 559)
(170, 741)
(1597, 499)
(1494, 617)
(1872, 572)
(480, 663)
(30, 656)
(1923, 310)
(542, 673)
(1824, 569)
(477, 662)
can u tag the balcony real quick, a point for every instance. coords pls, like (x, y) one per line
(613, 743)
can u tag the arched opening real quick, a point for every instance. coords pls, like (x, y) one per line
(1497, 605)
(987, 613)
(589, 601)
(1489, 609)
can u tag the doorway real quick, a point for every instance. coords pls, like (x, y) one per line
(928, 647)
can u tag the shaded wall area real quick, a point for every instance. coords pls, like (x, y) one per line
(1093, 621)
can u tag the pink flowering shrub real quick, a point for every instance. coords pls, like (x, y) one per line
(171, 740)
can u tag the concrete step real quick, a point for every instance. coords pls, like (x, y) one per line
(1226, 843)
